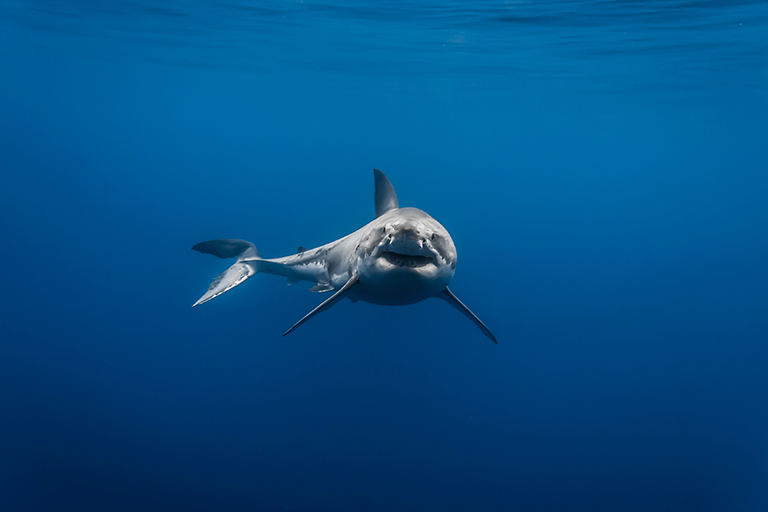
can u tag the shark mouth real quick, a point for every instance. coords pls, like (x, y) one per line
(407, 260)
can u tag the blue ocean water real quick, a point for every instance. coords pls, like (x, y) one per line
(602, 168)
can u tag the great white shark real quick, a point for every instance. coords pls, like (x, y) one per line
(401, 257)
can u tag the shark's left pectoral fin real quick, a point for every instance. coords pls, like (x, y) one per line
(330, 301)
(454, 301)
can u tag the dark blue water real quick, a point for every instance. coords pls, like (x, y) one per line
(602, 167)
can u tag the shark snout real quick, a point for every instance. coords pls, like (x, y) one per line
(407, 241)
(407, 247)
(412, 240)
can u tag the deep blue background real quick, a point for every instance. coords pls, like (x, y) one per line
(601, 166)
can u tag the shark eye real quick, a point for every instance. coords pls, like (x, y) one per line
(433, 236)
(383, 230)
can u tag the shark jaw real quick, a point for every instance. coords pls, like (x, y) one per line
(408, 258)
(405, 248)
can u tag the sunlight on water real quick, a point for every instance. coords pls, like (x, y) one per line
(600, 45)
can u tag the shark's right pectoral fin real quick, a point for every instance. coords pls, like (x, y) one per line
(454, 301)
(330, 301)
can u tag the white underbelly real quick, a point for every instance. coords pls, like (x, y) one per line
(397, 288)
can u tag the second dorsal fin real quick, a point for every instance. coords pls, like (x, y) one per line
(384, 197)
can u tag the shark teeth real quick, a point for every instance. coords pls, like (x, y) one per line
(405, 246)
(407, 260)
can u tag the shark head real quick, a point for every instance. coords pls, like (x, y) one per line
(405, 257)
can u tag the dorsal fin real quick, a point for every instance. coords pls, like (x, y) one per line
(384, 197)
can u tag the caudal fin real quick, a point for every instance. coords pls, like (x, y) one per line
(242, 269)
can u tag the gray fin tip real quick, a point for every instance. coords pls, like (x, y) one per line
(454, 301)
